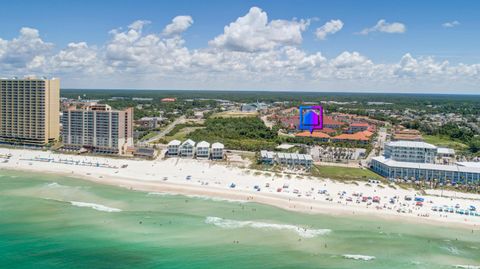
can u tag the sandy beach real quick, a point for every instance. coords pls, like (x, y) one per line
(217, 180)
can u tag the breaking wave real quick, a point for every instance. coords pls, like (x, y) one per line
(358, 257)
(452, 250)
(53, 185)
(468, 266)
(234, 224)
(95, 206)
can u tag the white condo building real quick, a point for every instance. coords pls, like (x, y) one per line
(172, 147)
(410, 151)
(286, 159)
(203, 149)
(409, 160)
(187, 148)
(98, 128)
(217, 151)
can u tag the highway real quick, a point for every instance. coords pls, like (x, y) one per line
(165, 131)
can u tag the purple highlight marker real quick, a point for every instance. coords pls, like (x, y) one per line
(311, 118)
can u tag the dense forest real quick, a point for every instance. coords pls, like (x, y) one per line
(248, 133)
(449, 103)
(455, 131)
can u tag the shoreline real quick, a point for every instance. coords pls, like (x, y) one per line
(217, 187)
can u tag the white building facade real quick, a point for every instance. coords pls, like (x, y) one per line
(203, 149)
(286, 159)
(217, 151)
(172, 147)
(410, 151)
(187, 148)
(425, 171)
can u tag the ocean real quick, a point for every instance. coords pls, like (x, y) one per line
(50, 221)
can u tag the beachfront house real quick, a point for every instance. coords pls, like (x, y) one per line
(281, 158)
(203, 149)
(187, 148)
(308, 161)
(217, 151)
(289, 157)
(173, 148)
(286, 159)
(267, 157)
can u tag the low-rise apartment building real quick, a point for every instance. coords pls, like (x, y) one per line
(410, 151)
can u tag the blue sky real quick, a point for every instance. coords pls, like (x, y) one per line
(424, 42)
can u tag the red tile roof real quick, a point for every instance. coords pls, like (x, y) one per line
(328, 130)
(315, 134)
(360, 124)
(359, 136)
(327, 120)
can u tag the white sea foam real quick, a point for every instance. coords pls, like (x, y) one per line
(53, 185)
(452, 249)
(234, 224)
(95, 206)
(358, 257)
(158, 194)
(467, 266)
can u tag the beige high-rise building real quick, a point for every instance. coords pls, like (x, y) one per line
(29, 111)
(98, 128)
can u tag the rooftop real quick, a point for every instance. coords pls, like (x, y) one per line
(410, 144)
(203, 144)
(469, 164)
(360, 124)
(359, 136)
(189, 142)
(445, 151)
(330, 121)
(218, 145)
(174, 143)
(285, 146)
(429, 166)
(314, 134)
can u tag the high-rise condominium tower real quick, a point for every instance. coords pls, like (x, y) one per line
(29, 111)
(98, 128)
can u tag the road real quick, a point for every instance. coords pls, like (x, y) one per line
(378, 143)
(165, 131)
(268, 123)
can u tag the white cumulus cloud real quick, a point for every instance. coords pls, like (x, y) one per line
(134, 58)
(179, 25)
(384, 27)
(22, 51)
(253, 32)
(329, 28)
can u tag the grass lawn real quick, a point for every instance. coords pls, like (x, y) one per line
(149, 135)
(343, 173)
(444, 141)
(182, 134)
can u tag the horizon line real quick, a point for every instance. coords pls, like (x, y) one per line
(270, 91)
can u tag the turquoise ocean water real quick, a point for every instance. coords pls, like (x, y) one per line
(51, 221)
